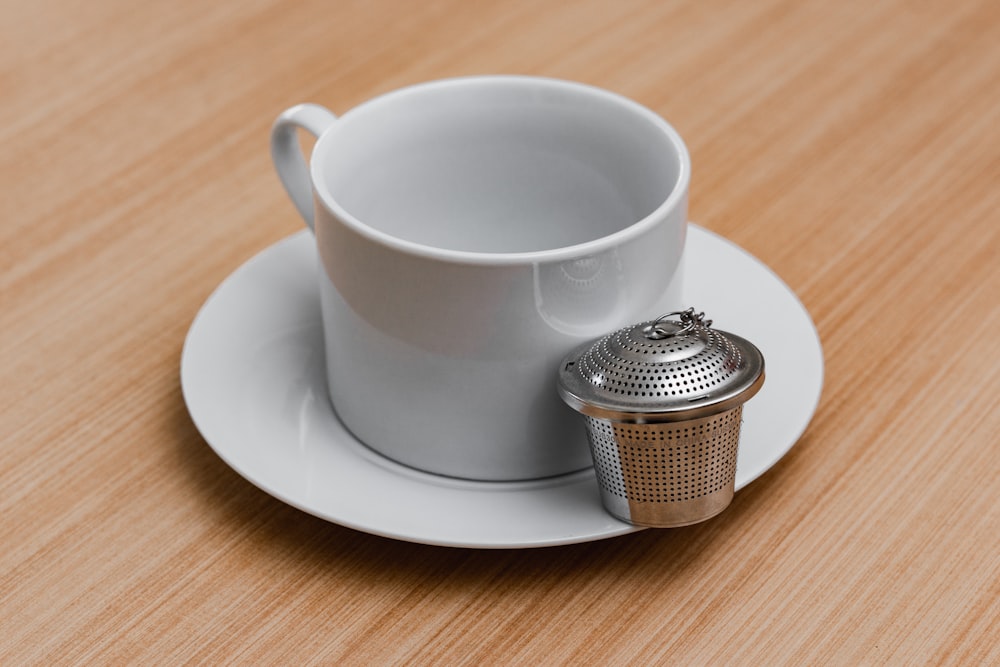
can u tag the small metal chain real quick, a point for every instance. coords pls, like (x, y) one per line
(688, 321)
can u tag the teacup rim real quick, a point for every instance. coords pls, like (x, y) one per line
(676, 196)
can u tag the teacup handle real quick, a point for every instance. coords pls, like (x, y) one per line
(287, 155)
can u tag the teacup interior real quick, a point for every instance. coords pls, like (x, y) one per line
(498, 167)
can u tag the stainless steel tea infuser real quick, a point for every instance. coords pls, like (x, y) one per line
(663, 402)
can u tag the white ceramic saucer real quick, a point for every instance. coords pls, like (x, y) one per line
(253, 379)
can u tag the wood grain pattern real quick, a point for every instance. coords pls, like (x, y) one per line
(853, 146)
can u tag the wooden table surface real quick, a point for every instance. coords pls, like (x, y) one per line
(853, 146)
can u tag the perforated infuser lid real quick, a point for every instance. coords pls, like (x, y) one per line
(664, 370)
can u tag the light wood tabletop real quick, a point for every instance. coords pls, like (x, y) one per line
(854, 147)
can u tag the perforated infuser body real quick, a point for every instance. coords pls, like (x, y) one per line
(669, 474)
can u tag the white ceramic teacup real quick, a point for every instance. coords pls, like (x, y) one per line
(472, 231)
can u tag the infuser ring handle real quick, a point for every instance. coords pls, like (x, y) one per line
(688, 321)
